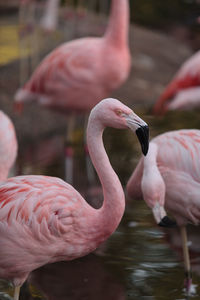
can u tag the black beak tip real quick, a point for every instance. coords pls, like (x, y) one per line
(143, 136)
(167, 222)
(145, 150)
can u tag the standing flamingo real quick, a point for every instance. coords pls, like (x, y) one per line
(78, 74)
(8, 145)
(44, 219)
(169, 177)
(183, 92)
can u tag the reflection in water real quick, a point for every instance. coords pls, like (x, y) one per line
(81, 279)
(150, 268)
(174, 240)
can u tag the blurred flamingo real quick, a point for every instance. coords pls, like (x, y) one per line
(78, 74)
(8, 145)
(169, 177)
(44, 219)
(183, 92)
(49, 19)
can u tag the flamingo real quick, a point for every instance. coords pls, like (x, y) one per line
(49, 20)
(8, 145)
(169, 177)
(78, 74)
(183, 92)
(44, 219)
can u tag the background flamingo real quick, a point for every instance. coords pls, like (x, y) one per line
(78, 74)
(169, 177)
(49, 20)
(183, 92)
(44, 219)
(8, 145)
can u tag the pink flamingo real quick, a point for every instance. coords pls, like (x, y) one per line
(183, 92)
(169, 177)
(78, 74)
(8, 145)
(44, 219)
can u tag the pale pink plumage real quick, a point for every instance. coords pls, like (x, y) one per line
(170, 175)
(169, 178)
(44, 219)
(8, 145)
(183, 92)
(79, 73)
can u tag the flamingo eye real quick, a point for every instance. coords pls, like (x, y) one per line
(118, 112)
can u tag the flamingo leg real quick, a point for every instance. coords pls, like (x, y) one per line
(16, 292)
(28, 40)
(188, 278)
(34, 40)
(69, 151)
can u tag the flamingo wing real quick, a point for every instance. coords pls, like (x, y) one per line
(71, 65)
(187, 77)
(180, 150)
(29, 199)
(182, 195)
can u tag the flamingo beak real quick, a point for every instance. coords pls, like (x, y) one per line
(140, 127)
(143, 136)
(161, 217)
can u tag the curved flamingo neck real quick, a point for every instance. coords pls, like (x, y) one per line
(111, 212)
(151, 159)
(117, 30)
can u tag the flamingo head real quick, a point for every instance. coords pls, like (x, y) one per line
(113, 113)
(154, 196)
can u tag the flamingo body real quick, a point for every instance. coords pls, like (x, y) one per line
(68, 73)
(183, 92)
(170, 175)
(44, 219)
(79, 73)
(8, 145)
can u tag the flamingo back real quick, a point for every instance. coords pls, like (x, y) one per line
(180, 150)
(187, 77)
